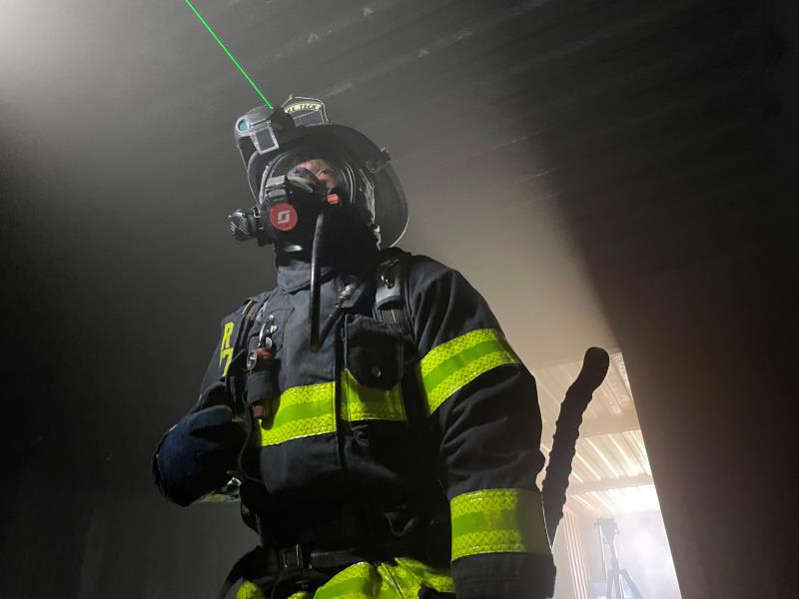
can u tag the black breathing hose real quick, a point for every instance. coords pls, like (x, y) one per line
(316, 282)
(567, 429)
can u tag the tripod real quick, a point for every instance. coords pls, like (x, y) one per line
(616, 577)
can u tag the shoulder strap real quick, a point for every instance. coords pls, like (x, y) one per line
(249, 313)
(390, 305)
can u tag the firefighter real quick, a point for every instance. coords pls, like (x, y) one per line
(380, 433)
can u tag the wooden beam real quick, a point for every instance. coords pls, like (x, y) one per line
(610, 483)
(628, 421)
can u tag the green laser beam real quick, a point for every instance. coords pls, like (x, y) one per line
(229, 55)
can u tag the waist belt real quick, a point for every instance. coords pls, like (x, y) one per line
(304, 565)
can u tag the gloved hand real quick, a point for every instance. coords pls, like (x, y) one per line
(194, 456)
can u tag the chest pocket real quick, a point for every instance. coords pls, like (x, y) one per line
(371, 381)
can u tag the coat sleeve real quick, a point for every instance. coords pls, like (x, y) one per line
(482, 408)
(229, 351)
(213, 379)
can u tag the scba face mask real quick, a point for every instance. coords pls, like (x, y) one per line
(295, 187)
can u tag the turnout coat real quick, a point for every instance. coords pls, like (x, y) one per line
(414, 420)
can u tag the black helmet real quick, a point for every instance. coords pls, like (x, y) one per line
(272, 142)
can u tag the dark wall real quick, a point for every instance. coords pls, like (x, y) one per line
(698, 282)
(97, 308)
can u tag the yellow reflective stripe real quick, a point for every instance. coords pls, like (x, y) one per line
(310, 409)
(496, 521)
(438, 579)
(358, 581)
(368, 403)
(249, 590)
(454, 364)
(385, 581)
(301, 412)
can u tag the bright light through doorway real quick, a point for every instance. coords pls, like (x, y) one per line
(611, 479)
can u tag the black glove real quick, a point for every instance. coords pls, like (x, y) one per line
(194, 456)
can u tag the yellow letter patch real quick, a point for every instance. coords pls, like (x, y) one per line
(225, 349)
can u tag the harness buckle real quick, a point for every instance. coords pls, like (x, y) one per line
(291, 557)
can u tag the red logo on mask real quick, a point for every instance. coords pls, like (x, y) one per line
(283, 217)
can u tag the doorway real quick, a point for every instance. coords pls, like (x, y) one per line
(612, 527)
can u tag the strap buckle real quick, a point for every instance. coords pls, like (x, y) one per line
(388, 288)
(291, 558)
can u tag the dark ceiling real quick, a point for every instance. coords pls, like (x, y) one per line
(568, 156)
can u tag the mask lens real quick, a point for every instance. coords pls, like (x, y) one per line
(321, 165)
